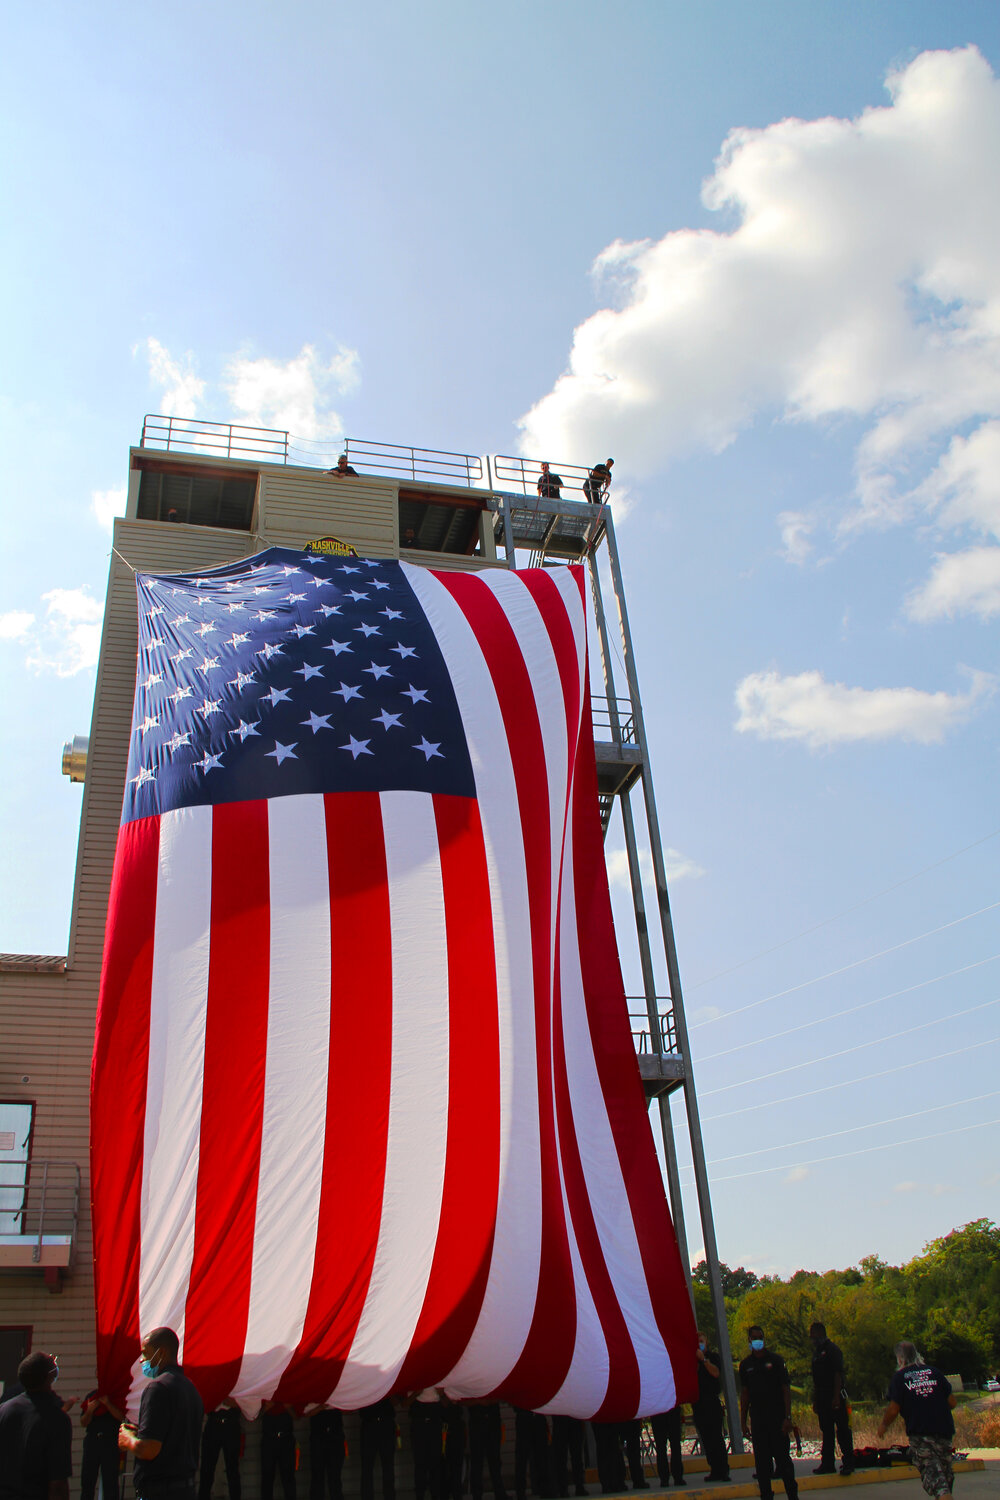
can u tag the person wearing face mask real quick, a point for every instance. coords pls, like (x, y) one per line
(707, 1412)
(166, 1441)
(830, 1403)
(766, 1414)
(36, 1435)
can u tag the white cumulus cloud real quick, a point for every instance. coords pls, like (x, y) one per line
(293, 394)
(15, 625)
(66, 639)
(960, 583)
(679, 866)
(818, 713)
(106, 504)
(181, 389)
(856, 274)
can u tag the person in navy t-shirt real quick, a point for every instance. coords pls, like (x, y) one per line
(924, 1398)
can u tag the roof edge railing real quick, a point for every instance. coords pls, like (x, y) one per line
(503, 472)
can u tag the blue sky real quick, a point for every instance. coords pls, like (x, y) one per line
(385, 221)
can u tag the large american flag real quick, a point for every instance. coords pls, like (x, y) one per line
(366, 1111)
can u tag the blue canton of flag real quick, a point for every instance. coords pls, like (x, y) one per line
(288, 673)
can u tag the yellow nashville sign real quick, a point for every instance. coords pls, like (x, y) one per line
(331, 546)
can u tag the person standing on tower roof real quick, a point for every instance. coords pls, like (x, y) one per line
(598, 482)
(549, 484)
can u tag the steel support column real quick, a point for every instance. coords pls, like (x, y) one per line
(642, 931)
(680, 1021)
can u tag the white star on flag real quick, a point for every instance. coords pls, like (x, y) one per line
(283, 752)
(357, 747)
(429, 749)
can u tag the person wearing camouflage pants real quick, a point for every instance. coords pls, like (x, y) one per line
(923, 1396)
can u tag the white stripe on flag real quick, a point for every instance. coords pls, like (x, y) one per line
(602, 1168)
(294, 1119)
(586, 1381)
(418, 1100)
(178, 995)
(509, 1300)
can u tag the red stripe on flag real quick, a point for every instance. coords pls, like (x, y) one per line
(461, 1264)
(548, 1349)
(357, 1110)
(118, 1101)
(614, 1052)
(622, 1398)
(232, 1108)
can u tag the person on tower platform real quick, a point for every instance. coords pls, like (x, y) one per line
(830, 1403)
(342, 469)
(223, 1434)
(766, 1414)
(549, 484)
(707, 1412)
(598, 482)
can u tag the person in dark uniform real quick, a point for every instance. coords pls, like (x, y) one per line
(598, 482)
(378, 1440)
(425, 1441)
(343, 469)
(830, 1403)
(36, 1435)
(531, 1454)
(668, 1429)
(165, 1444)
(223, 1434)
(608, 1452)
(549, 485)
(277, 1449)
(766, 1414)
(326, 1452)
(630, 1436)
(453, 1418)
(707, 1412)
(567, 1455)
(485, 1439)
(100, 1419)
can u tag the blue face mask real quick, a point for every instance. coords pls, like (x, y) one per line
(150, 1370)
(702, 1345)
(756, 1345)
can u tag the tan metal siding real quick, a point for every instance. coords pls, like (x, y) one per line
(299, 505)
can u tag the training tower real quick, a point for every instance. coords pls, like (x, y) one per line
(201, 494)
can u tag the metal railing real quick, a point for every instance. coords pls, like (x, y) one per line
(217, 439)
(600, 713)
(638, 1017)
(39, 1196)
(524, 473)
(418, 464)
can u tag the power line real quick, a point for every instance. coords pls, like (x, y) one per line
(861, 1151)
(878, 1041)
(855, 964)
(886, 891)
(843, 1083)
(851, 1129)
(836, 1015)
